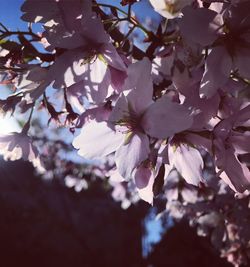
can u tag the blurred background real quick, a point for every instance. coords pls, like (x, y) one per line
(44, 223)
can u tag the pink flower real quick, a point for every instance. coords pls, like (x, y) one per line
(187, 161)
(88, 53)
(229, 143)
(122, 132)
(144, 180)
(15, 146)
(227, 35)
(134, 117)
(203, 109)
(165, 118)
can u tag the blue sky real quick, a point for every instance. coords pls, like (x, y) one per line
(10, 14)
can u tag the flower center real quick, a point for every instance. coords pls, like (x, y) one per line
(129, 123)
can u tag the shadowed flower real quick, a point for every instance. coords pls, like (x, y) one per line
(228, 143)
(15, 146)
(187, 161)
(226, 32)
(134, 118)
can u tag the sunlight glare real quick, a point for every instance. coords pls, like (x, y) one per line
(8, 125)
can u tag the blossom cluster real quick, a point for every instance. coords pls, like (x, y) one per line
(174, 111)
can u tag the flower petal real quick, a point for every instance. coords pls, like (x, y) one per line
(97, 140)
(201, 22)
(188, 162)
(98, 81)
(142, 176)
(217, 71)
(140, 82)
(130, 155)
(144, 181)
(165, 118)
(238, 173)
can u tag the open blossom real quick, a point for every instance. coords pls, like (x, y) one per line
(33, 82)
(228, 145)
(169, 8)
(89, 57)
(15, 146)
(205, 109)
(226, 32)
(122, 132)
(133, 120)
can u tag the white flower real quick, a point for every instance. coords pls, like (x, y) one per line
(169, 9)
